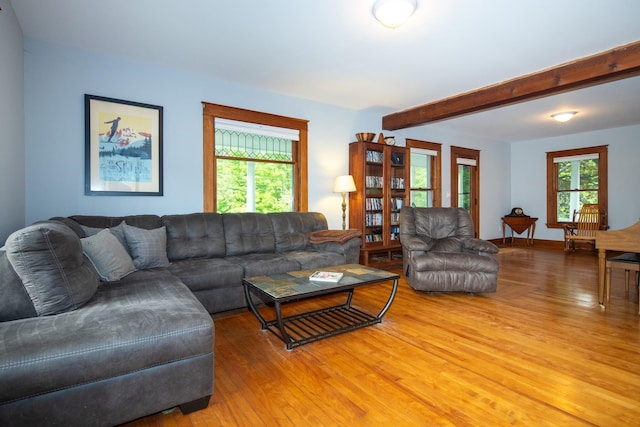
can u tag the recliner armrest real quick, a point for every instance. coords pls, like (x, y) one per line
(480, 246)
(415, 243)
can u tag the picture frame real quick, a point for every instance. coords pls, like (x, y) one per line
(123, 147)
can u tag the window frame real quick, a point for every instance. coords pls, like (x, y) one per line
(300, 170)
(436, 168)
(552, 180)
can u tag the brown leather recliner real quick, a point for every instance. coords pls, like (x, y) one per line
(441, 254)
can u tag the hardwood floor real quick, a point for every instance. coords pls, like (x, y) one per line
(538, 352)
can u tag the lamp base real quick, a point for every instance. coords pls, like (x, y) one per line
(344, 211)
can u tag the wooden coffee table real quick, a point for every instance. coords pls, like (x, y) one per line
(315, 325)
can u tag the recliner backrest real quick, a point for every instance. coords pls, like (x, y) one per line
(436, 223)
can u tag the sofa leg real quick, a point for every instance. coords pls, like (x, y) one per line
(195, 405)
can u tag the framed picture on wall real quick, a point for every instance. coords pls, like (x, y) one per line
(123, 147)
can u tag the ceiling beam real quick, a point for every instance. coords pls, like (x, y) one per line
(617, 63)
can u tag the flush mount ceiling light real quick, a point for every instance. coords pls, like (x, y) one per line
(393, 13)
(564, 116)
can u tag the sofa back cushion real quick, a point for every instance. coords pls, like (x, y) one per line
(148, 222)
(48, 259)
(246, 233)
(14, 299)
(293, 229)
(197, 235)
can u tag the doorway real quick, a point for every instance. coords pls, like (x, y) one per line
(465, 182)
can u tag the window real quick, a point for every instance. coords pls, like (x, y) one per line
(253, 162)
(424, 171)
(575, 177)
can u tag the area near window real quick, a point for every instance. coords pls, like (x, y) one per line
(424, 170)
(253, 161)
(575, 177)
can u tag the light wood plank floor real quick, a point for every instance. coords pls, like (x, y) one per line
(538, 352)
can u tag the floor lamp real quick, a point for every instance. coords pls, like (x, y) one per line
(344, 184)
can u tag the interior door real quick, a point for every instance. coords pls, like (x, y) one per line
(465, 182)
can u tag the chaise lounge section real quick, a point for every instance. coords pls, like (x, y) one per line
(79, 350)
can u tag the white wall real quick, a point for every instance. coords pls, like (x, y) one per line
(57, 79)
(511, 174)
(529, 181)
(12, 151)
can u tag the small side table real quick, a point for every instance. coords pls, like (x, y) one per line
(518, 225)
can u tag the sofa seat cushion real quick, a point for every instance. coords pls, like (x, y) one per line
(202, 274)
(452, 261)
(309, 260)
(147, 319)
(264, 264)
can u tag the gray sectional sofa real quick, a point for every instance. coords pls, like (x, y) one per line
(92, 335)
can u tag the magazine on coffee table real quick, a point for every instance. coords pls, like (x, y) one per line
(326, 276)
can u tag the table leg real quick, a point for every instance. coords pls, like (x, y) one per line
(602, 255)
(252, 307)
(285, 336)
(347, 305)
(390, 300)
(533, 231)
(503, 233)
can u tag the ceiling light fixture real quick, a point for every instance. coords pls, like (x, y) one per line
(564, 116)
(393, 13)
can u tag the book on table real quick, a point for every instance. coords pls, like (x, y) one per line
(326, 276)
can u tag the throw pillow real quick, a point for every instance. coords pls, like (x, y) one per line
(90, 231)
(117, 231)
(108, 256)
(47, 257)
(148, 248)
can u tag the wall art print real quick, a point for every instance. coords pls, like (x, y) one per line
(123, 147)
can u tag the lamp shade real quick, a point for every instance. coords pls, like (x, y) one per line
(393, 13)
(344, 184)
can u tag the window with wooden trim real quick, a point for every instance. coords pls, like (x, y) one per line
(253, 161)
(424, 173)
(575, 177)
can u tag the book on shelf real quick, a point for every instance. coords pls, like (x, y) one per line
(326, 276)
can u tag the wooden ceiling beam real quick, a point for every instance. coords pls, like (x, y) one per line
(617, 63)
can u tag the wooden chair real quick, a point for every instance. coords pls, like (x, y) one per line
(583, 228)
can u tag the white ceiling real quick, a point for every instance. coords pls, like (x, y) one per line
(335, 52)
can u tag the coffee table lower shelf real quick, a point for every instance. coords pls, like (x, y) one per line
(315, 325)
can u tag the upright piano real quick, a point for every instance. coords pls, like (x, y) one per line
(625, 240)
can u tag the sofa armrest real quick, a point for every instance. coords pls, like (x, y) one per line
(350, 249)
(479, 246)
